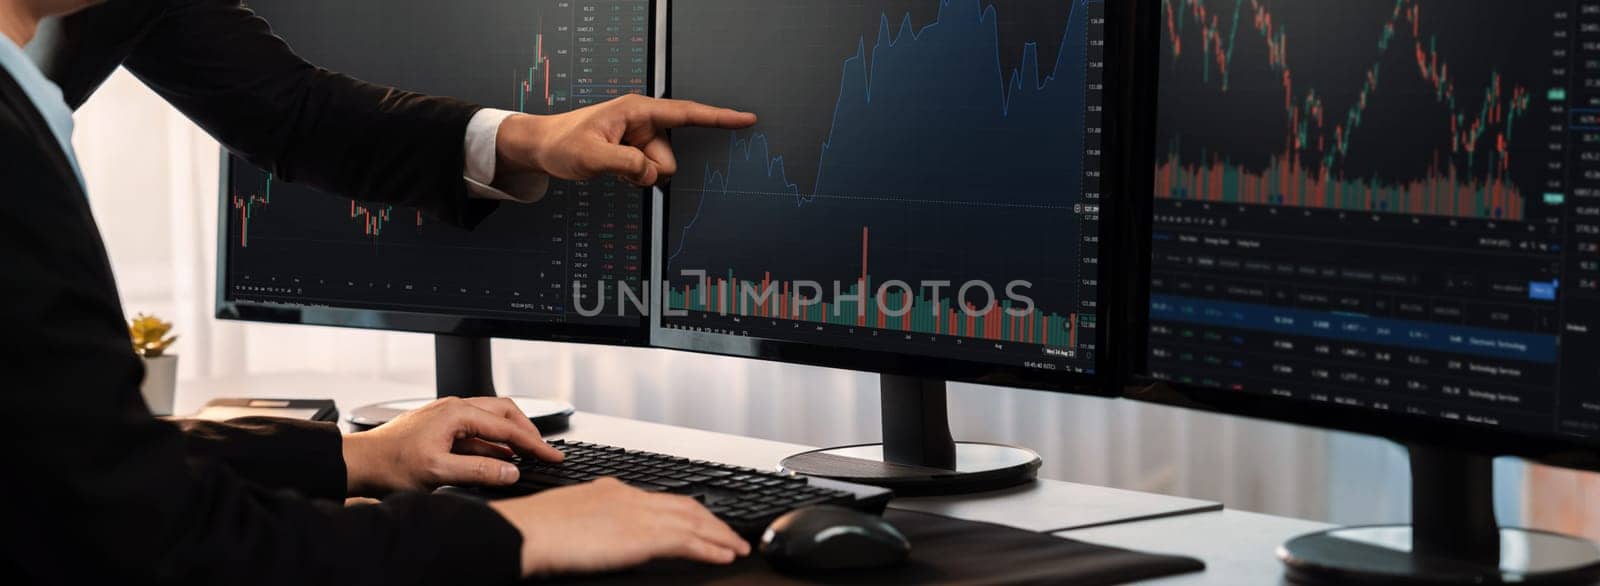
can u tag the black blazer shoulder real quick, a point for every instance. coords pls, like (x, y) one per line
(22, 122)
(221, 65)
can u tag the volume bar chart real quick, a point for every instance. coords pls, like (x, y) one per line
(898, 311)
(1286, 182)
(884, 307)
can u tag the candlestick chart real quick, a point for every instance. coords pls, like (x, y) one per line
(291, 243)
(372, 219)
(612, 60)
(1405, 111)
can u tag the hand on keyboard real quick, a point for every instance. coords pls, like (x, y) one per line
(449, 441)
(745, 498)
(606, 525)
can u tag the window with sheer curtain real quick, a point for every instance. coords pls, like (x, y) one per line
(153, 184)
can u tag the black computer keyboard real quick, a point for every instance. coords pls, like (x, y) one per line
(747, 499)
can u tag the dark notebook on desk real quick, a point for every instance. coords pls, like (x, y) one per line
(943, 551)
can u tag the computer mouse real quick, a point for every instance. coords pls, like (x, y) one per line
(825, 538)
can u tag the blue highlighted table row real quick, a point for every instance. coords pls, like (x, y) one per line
(1460, 339)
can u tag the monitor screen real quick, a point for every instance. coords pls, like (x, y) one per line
(924, 181)
(289, 246)
(1389, 206)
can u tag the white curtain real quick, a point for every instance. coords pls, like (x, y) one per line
(153, 182)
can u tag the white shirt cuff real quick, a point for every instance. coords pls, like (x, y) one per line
(482, 134)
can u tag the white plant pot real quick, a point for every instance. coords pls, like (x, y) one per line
(160, 383)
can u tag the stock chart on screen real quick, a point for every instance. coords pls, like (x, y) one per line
(290, 244)
(1383, 204)
(924, 178)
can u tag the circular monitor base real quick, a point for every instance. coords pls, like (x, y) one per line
(549, 416)
(979, 468)
(1382, 555)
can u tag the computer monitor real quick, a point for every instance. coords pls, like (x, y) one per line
(290, 254)
(1382, 216)
(921, 198)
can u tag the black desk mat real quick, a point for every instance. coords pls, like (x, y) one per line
(943, 551)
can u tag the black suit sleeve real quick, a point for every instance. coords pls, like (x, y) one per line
(302, 456)
(99, 491)
(222, 66)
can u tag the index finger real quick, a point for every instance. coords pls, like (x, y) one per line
(523, 434)
(680, 113)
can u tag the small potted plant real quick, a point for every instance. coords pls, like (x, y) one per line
(151, 339)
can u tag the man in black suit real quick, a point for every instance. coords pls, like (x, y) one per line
(99, 489)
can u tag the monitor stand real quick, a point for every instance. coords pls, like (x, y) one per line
(464, 367)
(918, 457)
(1453, 538)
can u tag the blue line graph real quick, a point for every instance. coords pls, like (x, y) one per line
(928, 115)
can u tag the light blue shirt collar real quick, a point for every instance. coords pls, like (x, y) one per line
(45, 95)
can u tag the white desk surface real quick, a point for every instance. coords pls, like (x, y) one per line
(1236, 546)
